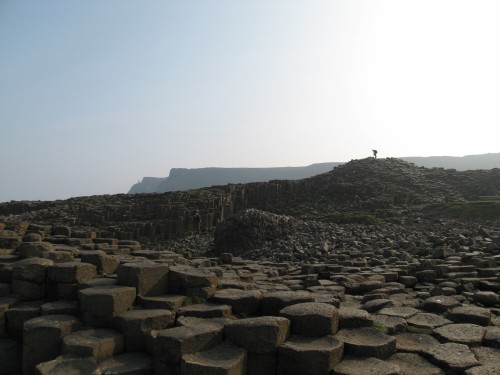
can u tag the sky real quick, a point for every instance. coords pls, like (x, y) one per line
(95, 95)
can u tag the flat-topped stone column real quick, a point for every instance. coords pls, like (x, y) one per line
(65, 277)
(127, 364)
(205, 310)
(136, 325)
(29, 278)
(64, 365)
(261, 337)
(36, 249)
(312, 319)
(192, 282)
(242, 302)
(105, 264)
(302, 355)
(150, 279)
(223, 359)
(414, 364)
(17, 314)
(42, 338)
(366, 366)
(367, 342)
(465, 333)
(100, 304)
(98, 343)
(272, 303)
(11, 356)
(453, 357)
(168, 346)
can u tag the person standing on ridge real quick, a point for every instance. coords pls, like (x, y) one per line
(197, 221)
(375, 152)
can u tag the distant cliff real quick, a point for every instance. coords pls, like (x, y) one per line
(195, 178)
(186, 179)
(147, 185)
(463, 163)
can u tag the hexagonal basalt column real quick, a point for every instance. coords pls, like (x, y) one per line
(223, 359)
(100, 304)
(261, 337)
(65, 277)
(367, 342)
(150, 279)
(42, 337)
(302, 355)
(312, 319)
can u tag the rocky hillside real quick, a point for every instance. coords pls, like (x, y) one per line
(398, 182)
(196, 178)
(359, 191)
(463, 163)
(132, 283)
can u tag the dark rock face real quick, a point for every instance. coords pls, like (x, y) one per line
(410, 293)
(250, 229)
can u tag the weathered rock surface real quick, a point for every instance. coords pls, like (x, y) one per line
(250, 229)
(309, 355)
(353, 250)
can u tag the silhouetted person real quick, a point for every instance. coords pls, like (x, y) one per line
(197, 221)
(375, 152)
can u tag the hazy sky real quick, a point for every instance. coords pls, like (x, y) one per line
(96, 94)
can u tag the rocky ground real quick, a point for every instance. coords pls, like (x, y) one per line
(261, 292)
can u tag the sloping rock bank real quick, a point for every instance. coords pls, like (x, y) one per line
(386, 301)
(250, 229)
(361, 191)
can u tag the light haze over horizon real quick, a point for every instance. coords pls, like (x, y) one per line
(95, 95)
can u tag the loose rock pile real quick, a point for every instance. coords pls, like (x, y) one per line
(250, 229)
